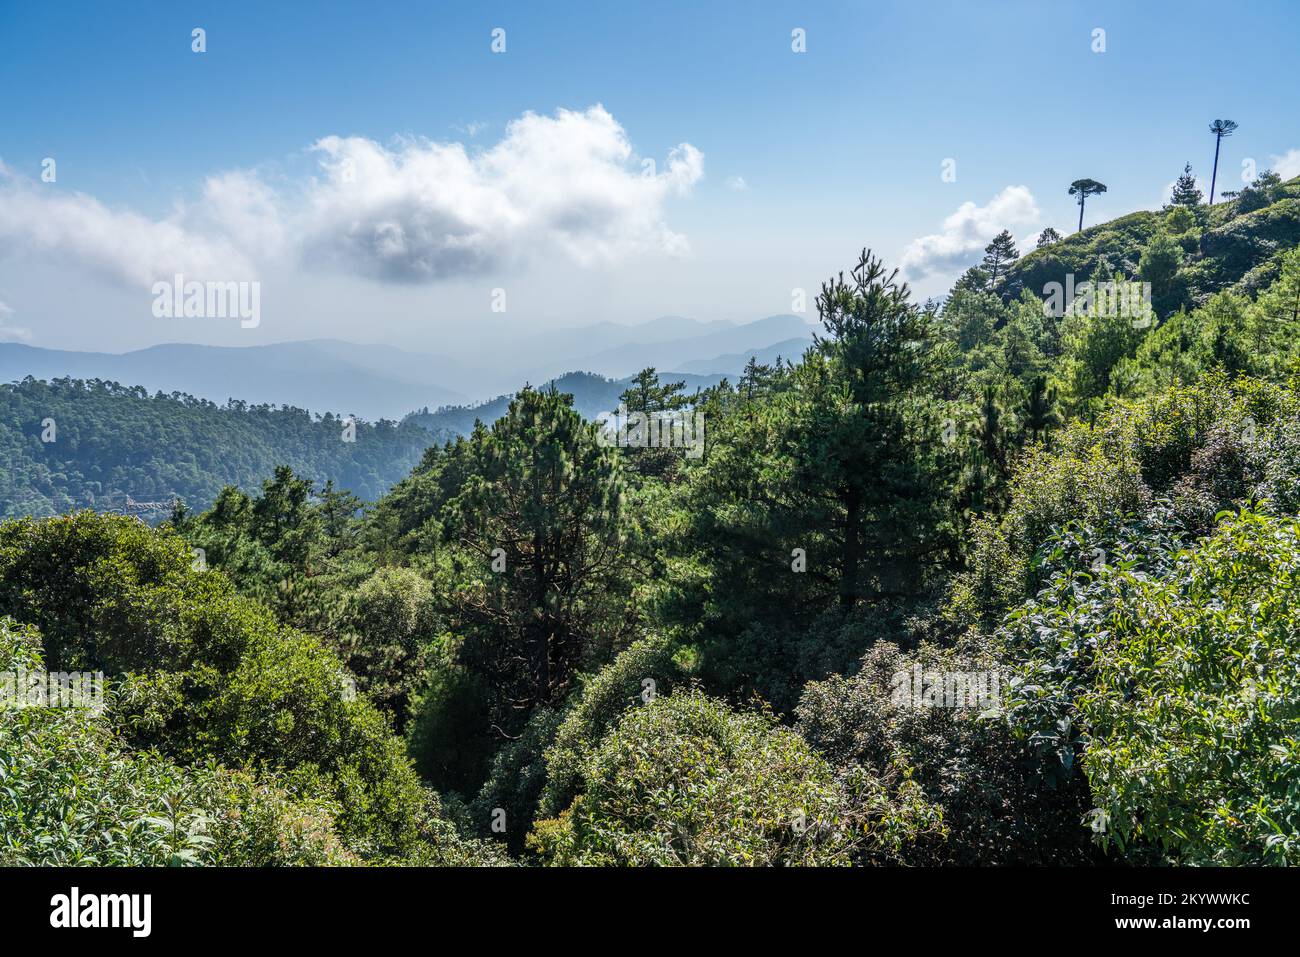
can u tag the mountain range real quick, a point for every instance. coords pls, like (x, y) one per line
(380, 381)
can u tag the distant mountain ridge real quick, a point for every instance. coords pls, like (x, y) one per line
(380, 381)
(321, 375)
(789, 349)
(712, 349)
(592, 395)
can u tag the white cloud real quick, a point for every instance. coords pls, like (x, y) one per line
(967, 231)
(430, 210)
(738, 184)
(418, 211)
(76, 230)
(10, 333)
(1287, 165)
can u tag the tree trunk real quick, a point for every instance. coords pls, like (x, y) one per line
(851, 556)
(540, 626)
(1080, 229)
(1215, 175)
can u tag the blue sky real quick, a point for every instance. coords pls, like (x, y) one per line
(838, 147)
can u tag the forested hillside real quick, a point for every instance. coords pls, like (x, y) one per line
(974, 582)
(71, 444)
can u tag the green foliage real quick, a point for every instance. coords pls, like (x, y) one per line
(1186, 193)
(539, 577)
(110, 594)
(1094, 344)
(612, 656)
(686, 781)
(1083, 188)
(1101, 473)
(515, 781)
(998, 255)
(1179, 221)
(831, 496)
(1192, 716)
(1159, 266)
(113, 442)
(965, 761)
(74, 794)
(1230, 250)
(389, 627)
(1264, 191)
(1234, 241)
(450, 737)
(643, 671)
(1167, 669)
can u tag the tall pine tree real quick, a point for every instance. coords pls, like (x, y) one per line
(1186, 192)
(1047, 237)
(998, 255)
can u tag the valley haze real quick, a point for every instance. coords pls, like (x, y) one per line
(382, 381)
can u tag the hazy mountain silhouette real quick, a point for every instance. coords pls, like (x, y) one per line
(379, 381)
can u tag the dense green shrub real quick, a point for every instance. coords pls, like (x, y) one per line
(389, 627)
(1193, 715)
(449, 736)
(639, 674)
(684, 780)
(1165, 669)
(110, 594)
(965, 760)
(72, 793)
(1193, 442)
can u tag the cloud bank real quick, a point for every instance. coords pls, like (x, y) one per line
(10, 333)
(77, 231)
(1287, 165)
(967, 231)
(419, 211)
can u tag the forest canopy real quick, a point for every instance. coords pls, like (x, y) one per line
(975, 581)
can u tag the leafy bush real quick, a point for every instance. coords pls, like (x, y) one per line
(71, 793)
(1099, 474)
(684, 780)
(1167, 671)
(1193, 715)
(110, 594)
(602, 700)
(389, 629)
(964, 761)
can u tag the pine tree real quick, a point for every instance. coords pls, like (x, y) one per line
(647, 394)
(337, 508)
(998, 255)
(1159, 266)
(1047, 237)
(1186, 192)
(1220, 129)
(991, 435)
(1041, 413)
(973, 279)
(756, 380)
(1083, 188)
(1281, 302)
(283, 519)
(543, 498)
(885, 355)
